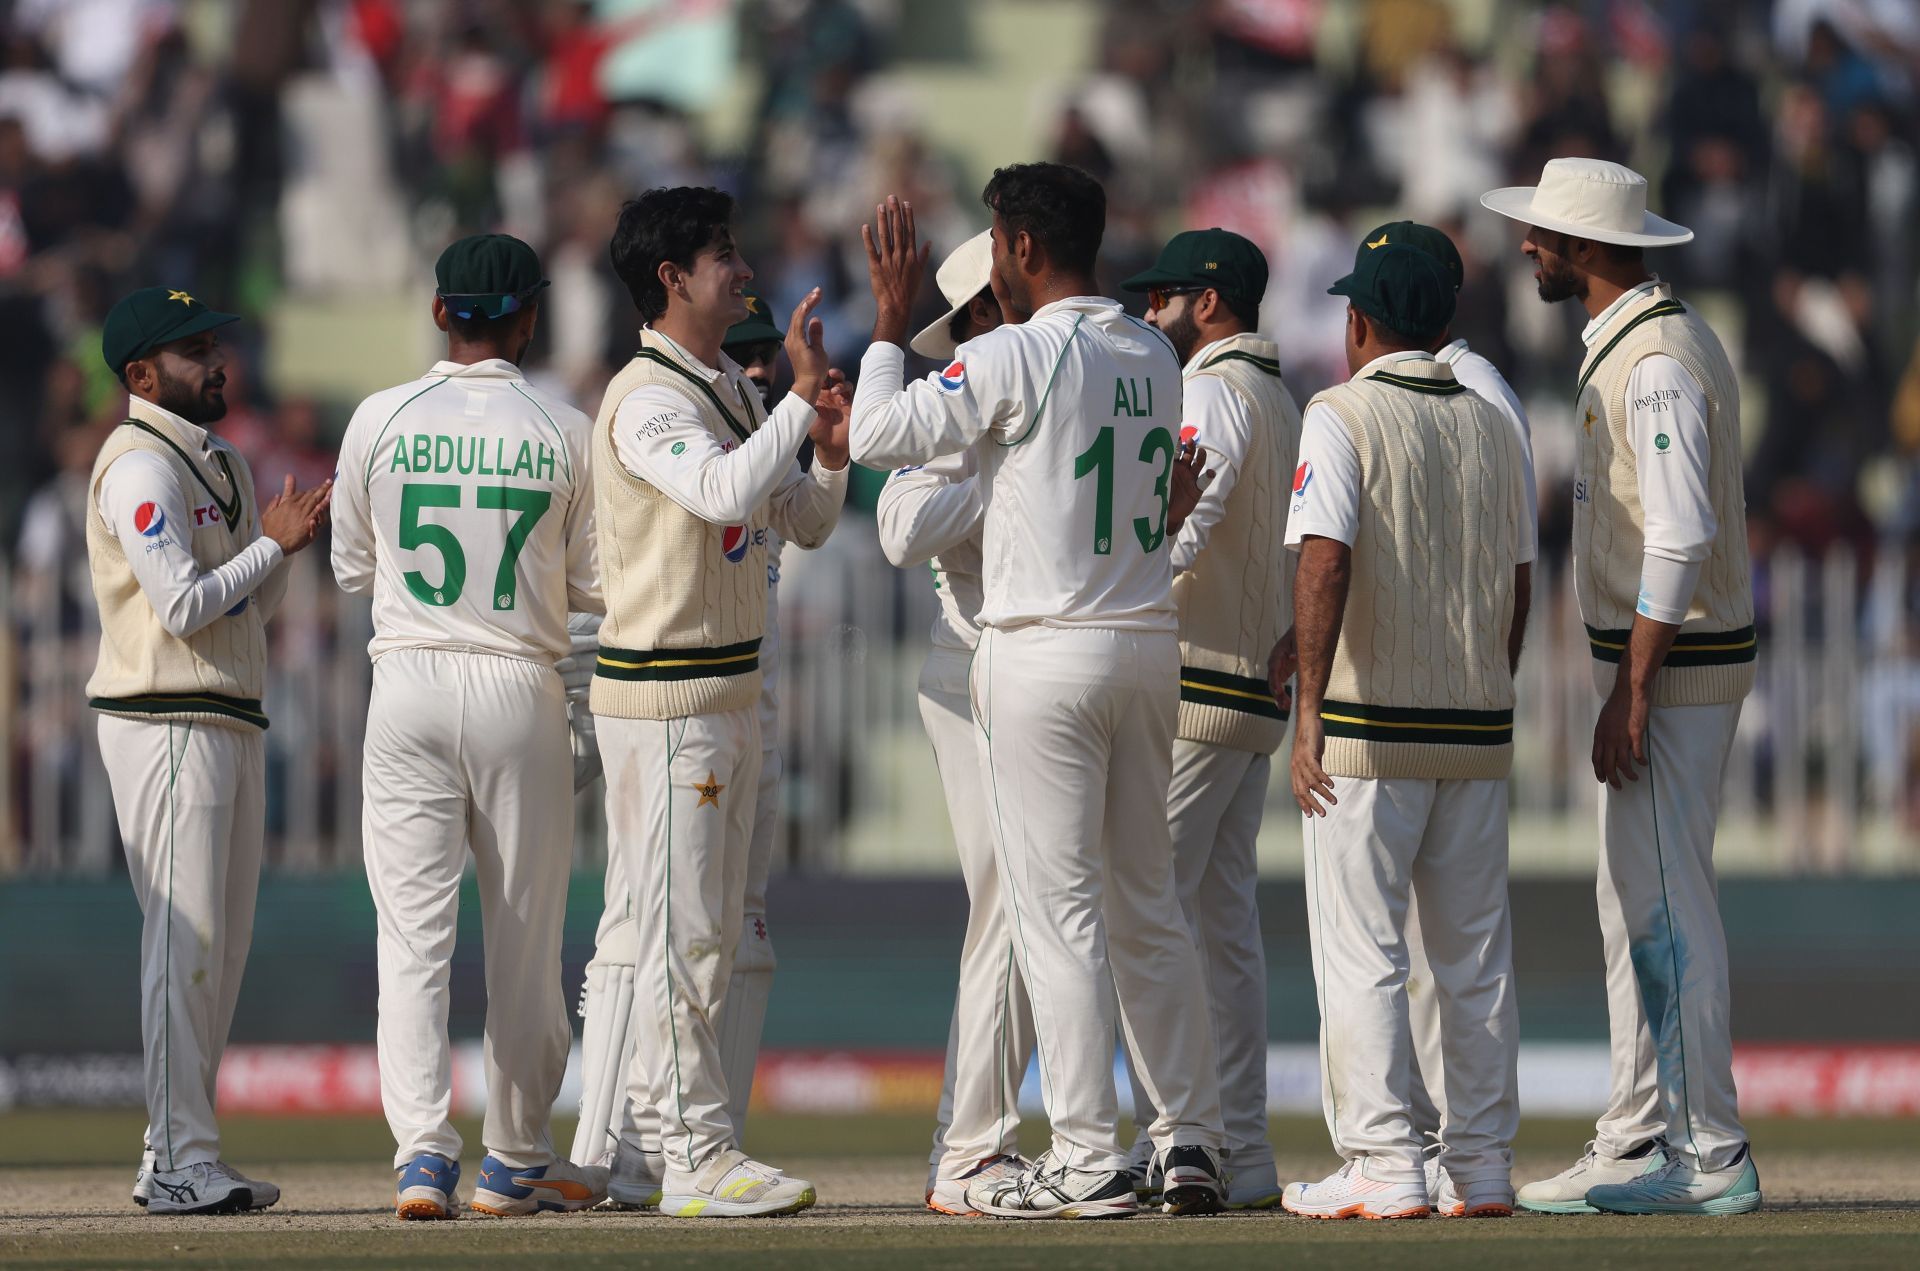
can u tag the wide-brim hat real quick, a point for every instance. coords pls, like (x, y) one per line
(1592, 199)
(962, 275)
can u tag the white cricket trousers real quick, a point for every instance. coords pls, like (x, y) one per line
(467, 753)
(680, 804)
(991, 1036)
(1659, 901)
(1214, 808)
(191, 802)
(1076, 727)
(1384, 842)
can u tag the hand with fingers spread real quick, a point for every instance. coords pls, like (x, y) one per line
(806, 348)
(832, 413)
(1311, 784)
(1191, 476)
(294, 517)
(895, 261)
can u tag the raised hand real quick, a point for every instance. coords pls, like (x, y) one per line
(806, 348)
(294, 517)
(832, 414)
(895, 261)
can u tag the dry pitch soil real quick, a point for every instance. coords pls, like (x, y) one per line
(1839, 1195)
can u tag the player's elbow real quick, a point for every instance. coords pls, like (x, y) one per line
(178, 617)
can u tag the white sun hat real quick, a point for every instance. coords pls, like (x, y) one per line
(1589, 198)
(962, 276)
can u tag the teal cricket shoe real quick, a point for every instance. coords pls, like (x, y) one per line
(1675, 1187)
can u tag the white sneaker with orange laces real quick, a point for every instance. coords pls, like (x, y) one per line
(1349, 1193)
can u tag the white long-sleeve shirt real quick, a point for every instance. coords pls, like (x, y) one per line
(1667, 429)
(185, 597)
(464, 502)
(932, 514)
(1483, 377)
(1076, 412)
(659, 437)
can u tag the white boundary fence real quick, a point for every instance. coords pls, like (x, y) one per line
(1822, 778)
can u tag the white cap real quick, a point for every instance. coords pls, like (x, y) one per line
(961, 277)
(1589, 198)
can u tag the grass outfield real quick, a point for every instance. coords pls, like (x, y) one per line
(1841, 1194)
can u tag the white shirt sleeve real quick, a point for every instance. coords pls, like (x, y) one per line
(658, 436)
(185, 597)
(896, 424)
(353, 543)
(806, 505)
(583, 553)
(1217, 418)
(1667, 428)
(1326, 484)
(928, 510)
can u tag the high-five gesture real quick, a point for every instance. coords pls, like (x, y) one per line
(293, 518)
(895, 260)
(807, 348)
(832, 412)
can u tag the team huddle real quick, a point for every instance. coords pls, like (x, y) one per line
(1148, 560)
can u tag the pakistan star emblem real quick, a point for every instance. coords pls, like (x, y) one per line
(1377, 245)
(1589, 423)
(181, 296)
(709, 790)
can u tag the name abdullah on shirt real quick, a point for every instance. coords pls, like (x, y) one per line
(471, 456)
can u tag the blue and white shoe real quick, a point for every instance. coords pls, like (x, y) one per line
(562, 1187)
(425, 1189)
(1675, 1187)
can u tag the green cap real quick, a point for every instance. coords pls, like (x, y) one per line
(487, 276)
(150, 317)
(1420, 237)
(1402, 287)
(1215, 258)
(756, 328)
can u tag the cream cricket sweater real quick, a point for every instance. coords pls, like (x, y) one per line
(684, 622)
(1420, 684)
(1712, 659)
(216, 674)
(1237, 599)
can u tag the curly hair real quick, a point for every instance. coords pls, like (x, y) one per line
(1058, 206)
(665, 224)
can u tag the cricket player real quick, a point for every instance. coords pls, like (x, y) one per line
(1660, 567)
(1075, 683)
(1479, 376)
(609, 1039)
(691, 475)
(465, 507)
(186, 568)
(1233, 585)
(931, 514)
(1415, 544)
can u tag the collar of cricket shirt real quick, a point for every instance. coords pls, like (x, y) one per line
(1451, 353)
(486, 368)
(1591, 333)
(1077, 304)
(694, 364)
(1392, 362)
(193, 436)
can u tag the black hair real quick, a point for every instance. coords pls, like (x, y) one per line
(676, 224)
(1245, 312)
(1058, 206)
(963, 316)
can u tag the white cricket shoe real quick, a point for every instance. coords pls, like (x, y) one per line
(1256, 1187)
(208, 1187)
(1566, 1192)
(637, 1178)
(506, 1191)
(949, 1195)
(1192, 1180)
(1143, 1171)
(143, 1178)
(1483, 1198)
(1441, 1194)
(1047, 1190)
(1672, 1186)
(734, 1185)
(1348, 1192)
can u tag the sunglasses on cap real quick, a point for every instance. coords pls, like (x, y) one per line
(468, 307)
(1157, 297)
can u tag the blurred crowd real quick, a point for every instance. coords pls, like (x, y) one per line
(265, 153)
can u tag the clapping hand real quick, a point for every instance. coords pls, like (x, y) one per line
(895, 260)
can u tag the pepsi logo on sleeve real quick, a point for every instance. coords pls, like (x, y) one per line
(1302, 478)
(149, 520)
(954, 378)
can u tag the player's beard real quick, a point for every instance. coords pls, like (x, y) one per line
(1182, 332)
(207, 406)
(1559, 282)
